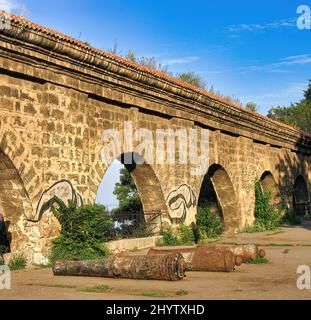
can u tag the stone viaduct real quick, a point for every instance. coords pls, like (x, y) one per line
(58, 96)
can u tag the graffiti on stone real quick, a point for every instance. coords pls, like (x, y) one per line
(180, 200)
(62, 189)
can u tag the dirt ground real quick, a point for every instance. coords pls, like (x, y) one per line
(286, 250)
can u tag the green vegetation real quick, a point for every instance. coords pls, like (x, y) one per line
(60, 286)
(130, 208)
(127, 194)
(259, 260)
(286, 251)
(169, 238)
(155, 294)
(182, 292)
(252, 106)
(83, 232)
(291, 218)
(17, 262)
(185, 234)
(192, 78)
(182, 237)
(268, 217)
(297, 114)
(209, 225)
(96, 289)
(279, 245)
(3, 250)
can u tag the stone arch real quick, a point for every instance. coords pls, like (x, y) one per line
(149, 189)
(14, 202)
(301, 199)
(217, 183)
(268, 183)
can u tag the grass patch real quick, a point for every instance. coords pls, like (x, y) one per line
(155, 294)
(62, 286)
(17, 262)
(96, 289)
(208, 241)
(286, 251)
(279, 245)
(259, 260)
(182, 292)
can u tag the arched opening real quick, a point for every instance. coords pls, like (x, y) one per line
(14, 201)
(218, 192)
(268, 183)
(148, 189)
(301, 201)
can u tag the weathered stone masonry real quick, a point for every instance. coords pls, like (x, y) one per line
(58, 95)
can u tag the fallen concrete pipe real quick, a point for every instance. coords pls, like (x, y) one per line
(204, 260)
(169, 267)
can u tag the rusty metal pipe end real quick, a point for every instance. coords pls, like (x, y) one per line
(262, 253)
(238, 260)
(189, 266)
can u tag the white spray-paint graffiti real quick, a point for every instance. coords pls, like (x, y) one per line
(180, 200)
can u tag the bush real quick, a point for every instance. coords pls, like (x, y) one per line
(268, 217)
(3, 250)
(83, 232)
(17, 262)
(291, 218)
(184, 236)
(208, 225)
(169, 238)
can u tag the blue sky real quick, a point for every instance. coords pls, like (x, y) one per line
(250, 49)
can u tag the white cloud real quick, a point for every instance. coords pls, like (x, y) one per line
(292, 92)
(13, 6)
(278, 24)
(182, 60)
(280, 67)
(8, 5)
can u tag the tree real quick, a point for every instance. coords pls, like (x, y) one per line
(114, 49)
(192, 78)
(307, 93)
(297, 114)
(131, 55)
(252, 106)
(149, 62)
(127, 194)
